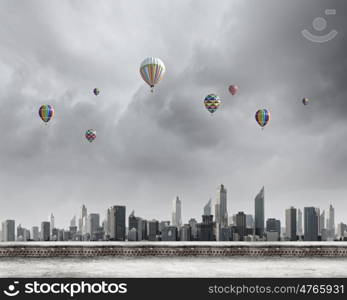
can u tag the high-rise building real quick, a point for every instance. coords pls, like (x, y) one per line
(331, 222)
(321, 222)
(273, 225)
(341, 230)
(133, 224)
(141, 229)
(116, 221)
(259, 213)
(177, 212)
(185, 233)
(45, 231)
(35, 233)
(8, 231)
(311, 224)
(194, 229)
(221, 211)
(291, 224)
(249, 221)
(169, 233)
(20, 233)
(152, 230)
(208, 208)
(205, 229)
(82, 219)
(163, 224)
(73, 221)
(241, 225)
(300, 230)
(93, 225)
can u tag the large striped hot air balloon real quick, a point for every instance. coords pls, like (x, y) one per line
(46, 112)
(152, 70)
(262, 116)
(90, 135)
(212, 102)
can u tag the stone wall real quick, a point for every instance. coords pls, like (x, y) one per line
(128, 249)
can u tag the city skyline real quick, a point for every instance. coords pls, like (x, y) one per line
(115, 221)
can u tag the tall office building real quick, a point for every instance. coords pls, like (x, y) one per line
(52, 225)
(152, 230)
(249, 221)
(93, 225)
(205, 229)
(259, 213)
(221, 211)
(341, 230)
(82, 219)
(35, 233)
(116, 223)
(73, 221)
(20, 233)
(185, 233)
(45, 231)
(8, 231)
(331, 222)
(311, 224)
(141, 229)
(208, 208)
(300, 230)
(273, 225)
(321, 222)
(177, 212)
(291, 224)
(132, 224)
(241, 224)
(193, 229)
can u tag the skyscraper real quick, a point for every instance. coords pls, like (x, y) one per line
(311, 224)
(8, 231)
(300, 231)
(291, 224)
(177, 212)
(51, 218)
(83, 219)
(116, 222)
(241, 224)
(73, 221)
(221, 211)
(321, 223)
(45, 231)
(259, 213)
(331, 221)
(35, 233)
(152, 230)
(93, 225)
(208, 208)
(273, 229)
(194, 229)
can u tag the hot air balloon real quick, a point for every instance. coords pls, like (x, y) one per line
(96, 91)
(90, 135)
(233, 89)
(305, 101)
(212, 102)
(46, 112)
(262, 116)
(152, 70)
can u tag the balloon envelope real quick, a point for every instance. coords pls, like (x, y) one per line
(152, 70)
(262, 116)
(96, 91)
(233, 89)
(212, 102)
(46, 112)
(90, 135)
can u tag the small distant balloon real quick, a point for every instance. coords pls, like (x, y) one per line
(90, 135)
(46, 112)
(262, 116)
(96, 91)
(152, 70)
(305, 101)
(233, 89)
(212, 102)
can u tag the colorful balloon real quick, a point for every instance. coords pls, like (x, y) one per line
(96, 91)
(233, 89)
(212, 102)
(305, 101)
(152, 70)
(46, 112)
(90, 135)
(262, 116)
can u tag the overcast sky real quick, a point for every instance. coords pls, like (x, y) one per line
(152, 147)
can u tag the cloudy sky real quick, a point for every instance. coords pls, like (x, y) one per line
(152, 147)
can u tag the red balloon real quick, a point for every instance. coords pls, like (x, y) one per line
(233, 89)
